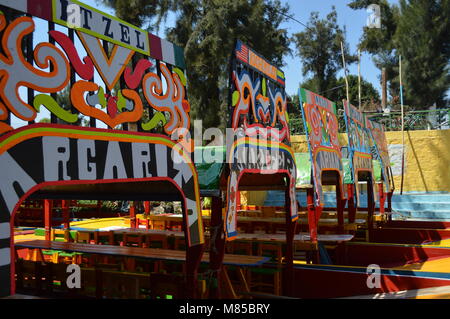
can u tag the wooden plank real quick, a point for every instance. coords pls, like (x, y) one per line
(274, 220)
(301, 237)
(137, 252)
(20, 296)
(260, 237)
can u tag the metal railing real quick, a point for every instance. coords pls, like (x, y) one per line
(438, 119)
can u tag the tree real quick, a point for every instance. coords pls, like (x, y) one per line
(370, 98)
(369, 95)
(207, 30)
(423, 38)
(419, 31)
(44, 120)
(379, 42)
(63, 100)
(141, 12)
(319, 47)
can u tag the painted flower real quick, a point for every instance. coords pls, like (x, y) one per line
(332, 127)
(315, 120)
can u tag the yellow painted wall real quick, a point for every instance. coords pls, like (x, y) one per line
(427, 160)
(253, 198)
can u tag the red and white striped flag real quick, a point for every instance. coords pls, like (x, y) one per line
(242, 51)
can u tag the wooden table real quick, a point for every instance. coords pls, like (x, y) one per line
(239, 261)
(275, 220)
(329, 221)
(302, 237)
(244, 236)
(137, 252)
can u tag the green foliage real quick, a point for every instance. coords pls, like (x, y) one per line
(319, 47)
(44, 120)
(419, 30)
(63, 100)
(423, 39)
(295, 115)
(141, 12)
(370, 98)
(207, 30)
(369, 95)
(374, 40)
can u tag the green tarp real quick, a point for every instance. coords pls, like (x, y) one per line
(209, 173)
(377, 170)
(348, 178)
(303, 163)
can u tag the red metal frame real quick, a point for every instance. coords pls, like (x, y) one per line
(351, 203)
(66, 214)
(47, 218)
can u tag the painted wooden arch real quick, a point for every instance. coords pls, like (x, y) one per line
(277, 159)
(261, 139)
(39, 156)
(321, 127)
(138, 97)
(359, 147)
(380, 152)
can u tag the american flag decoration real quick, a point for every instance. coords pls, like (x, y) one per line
(241, 51)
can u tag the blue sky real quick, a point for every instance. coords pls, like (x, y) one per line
(353, 20)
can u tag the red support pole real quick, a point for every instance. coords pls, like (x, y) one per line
(312, 221)
(351, 203)
(238, 200)
(382, 196)
(340, 204)
(66, 215)
(47, 218)
(370, 208)
(132, 215)
(217, 248)
(147, 208)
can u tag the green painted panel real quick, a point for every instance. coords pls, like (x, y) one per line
(303, 163)
(209, 173)
(377, 172)
(348, 178)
